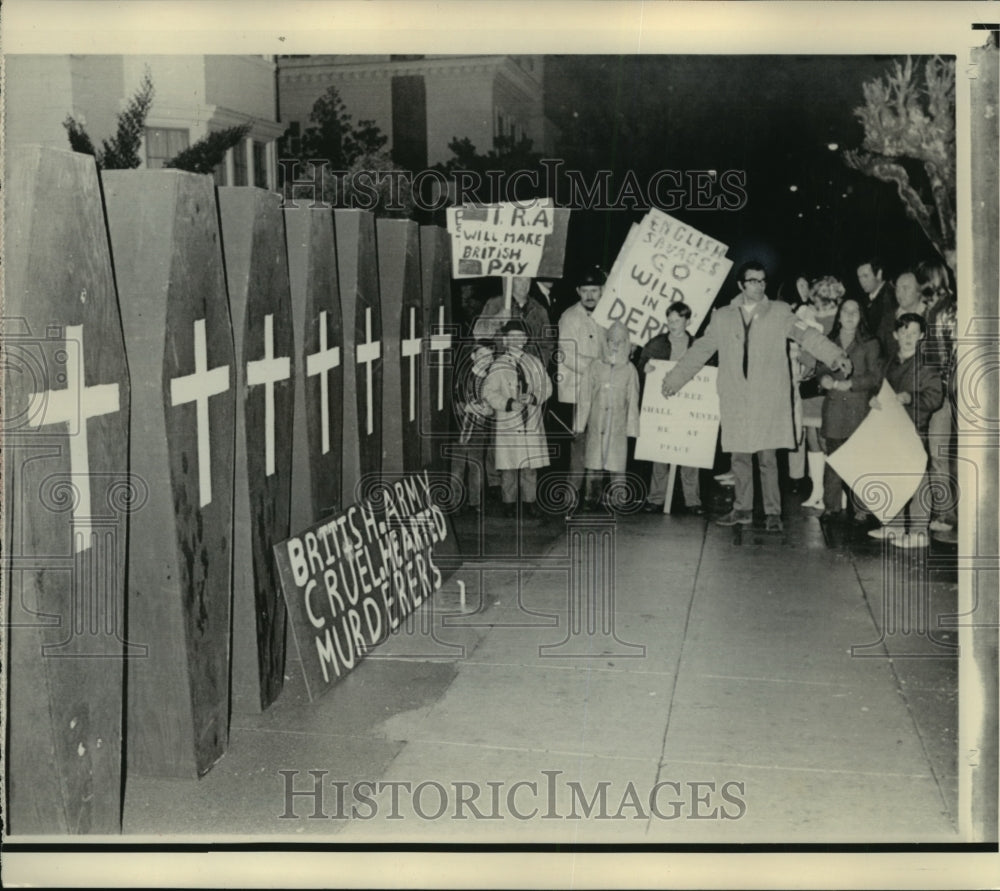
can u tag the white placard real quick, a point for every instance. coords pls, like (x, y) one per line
(662, 261)
(505, 240)
(683, 429)
(884, 460)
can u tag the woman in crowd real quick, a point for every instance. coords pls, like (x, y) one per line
(845, 404)
(941, 310)
(795, 292)
(825, 294)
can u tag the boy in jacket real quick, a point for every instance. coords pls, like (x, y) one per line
(919, 390)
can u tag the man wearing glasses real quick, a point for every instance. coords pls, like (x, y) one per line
(755, 389)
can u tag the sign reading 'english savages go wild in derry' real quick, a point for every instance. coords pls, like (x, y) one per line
(663, 261)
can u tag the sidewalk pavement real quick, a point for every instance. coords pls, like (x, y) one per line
(714, 699)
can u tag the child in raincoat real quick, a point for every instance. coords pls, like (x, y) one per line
(516, 387)
(609, 413)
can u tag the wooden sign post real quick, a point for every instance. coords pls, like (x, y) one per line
(164, 233)
(67, 495)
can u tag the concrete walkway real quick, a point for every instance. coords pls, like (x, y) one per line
(715, 699)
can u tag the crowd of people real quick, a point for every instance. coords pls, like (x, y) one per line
(797, 375)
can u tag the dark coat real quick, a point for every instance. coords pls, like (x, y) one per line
(922, 381)
(876, 310)
(844, 410)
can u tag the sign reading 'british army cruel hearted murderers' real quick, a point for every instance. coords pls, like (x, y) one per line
(350, 580)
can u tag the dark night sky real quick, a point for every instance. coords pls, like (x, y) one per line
(772, 116)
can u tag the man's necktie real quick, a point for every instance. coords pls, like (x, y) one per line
(746, 342)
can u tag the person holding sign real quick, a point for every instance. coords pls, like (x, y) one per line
(846, 401)
(609, 413)
(671, 344)
(919, 390)
(516, 388)
(754, 383)
(526, 309)
(580, 343)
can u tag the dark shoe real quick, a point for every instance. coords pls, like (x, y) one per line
(695, 509)
(735, 518)
(648, 507)
(532, 510)
(508, 510)
(772, 523)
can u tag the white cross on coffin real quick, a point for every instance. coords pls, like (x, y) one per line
(439, 343)
(269, 371)
(76, 403)
(411, 349)
(322, 363)
(198, 387)
(368, 352)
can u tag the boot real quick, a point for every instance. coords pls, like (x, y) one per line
(816, 461)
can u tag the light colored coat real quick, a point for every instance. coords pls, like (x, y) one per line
(755, 411)
(519, 443)
(580, 339)
(609, 411)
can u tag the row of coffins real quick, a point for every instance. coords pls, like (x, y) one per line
(192, 374)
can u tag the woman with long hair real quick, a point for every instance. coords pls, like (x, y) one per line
(941, 312)
(825, 294)
(845, 404)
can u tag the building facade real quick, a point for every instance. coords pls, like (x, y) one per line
(193, 96)
(424, 102)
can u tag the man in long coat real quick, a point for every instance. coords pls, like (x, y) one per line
(580, 342)
(755, 389)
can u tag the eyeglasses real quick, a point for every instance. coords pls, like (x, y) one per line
(755, 281)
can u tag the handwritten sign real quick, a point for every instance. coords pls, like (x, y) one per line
(350, 580)
(505, 240)
(884, 459)
(683, 429)
(662, 261)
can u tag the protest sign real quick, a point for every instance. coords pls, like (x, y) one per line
(683, 429)
(350, 580)
(662, 261)
(505, 240)
(884, 459)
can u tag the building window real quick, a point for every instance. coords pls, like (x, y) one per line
(162, 144)
(240, 164)
(259, 164)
